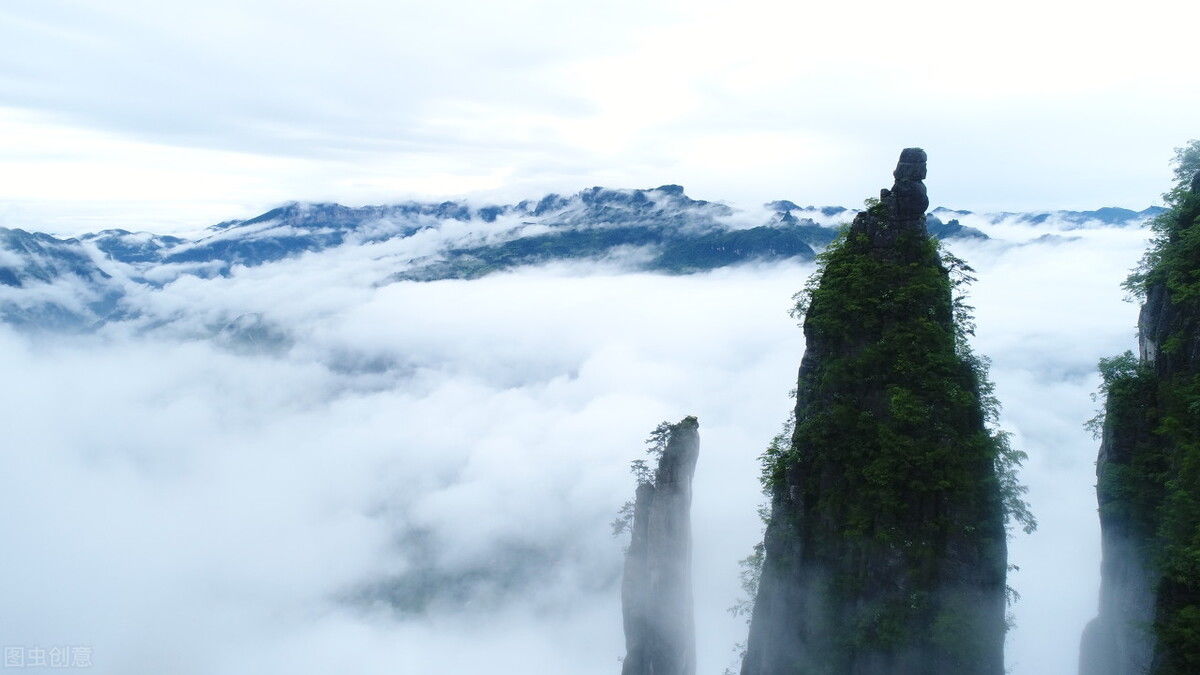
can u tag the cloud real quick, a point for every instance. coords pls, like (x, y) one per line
(197, 114)
(421, 476)
(1046, 313)
(283, 79)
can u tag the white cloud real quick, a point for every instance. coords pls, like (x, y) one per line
(186, 507)
(1046, 314)
(188, 115)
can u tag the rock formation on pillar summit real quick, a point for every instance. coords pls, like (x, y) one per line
(886, 541)
(656, 592)
(1148, 470)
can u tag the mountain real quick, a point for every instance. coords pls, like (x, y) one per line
(133, 247)
(52, 283)
(78, 283)
(951, 229)
(1107, 216)
(299, 228)
(1148, 468)
(885, 548)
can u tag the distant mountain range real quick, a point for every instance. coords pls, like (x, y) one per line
(77, 283)
(1109, 215)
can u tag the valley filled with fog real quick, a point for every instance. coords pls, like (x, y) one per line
(295, 468)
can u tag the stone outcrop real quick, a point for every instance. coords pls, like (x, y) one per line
(908, 200)
(1146, 476)
(656, 591)
(1120, 640)
(886, 544)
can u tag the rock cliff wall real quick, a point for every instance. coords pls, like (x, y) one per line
(1148, 468)
(656, 591)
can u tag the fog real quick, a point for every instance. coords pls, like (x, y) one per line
(419, 477)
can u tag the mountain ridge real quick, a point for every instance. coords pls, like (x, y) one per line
(659, 229)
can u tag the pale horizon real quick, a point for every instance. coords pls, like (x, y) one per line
(169, 118)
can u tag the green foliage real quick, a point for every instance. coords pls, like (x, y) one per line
(1118, 372)
(926, 353)
(624, 521)
(802, 298)
(1150, 483)
(1012, 492)
(898, 447)
(1187, 164)
(750, 574)
(641, 471)
(656, 444)
(956, 630)
(961, 276)
(1171, 256)
(774, 458)
(752, 565)
(1176, 466)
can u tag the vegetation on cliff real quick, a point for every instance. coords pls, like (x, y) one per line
(656, 588)
(885, 550)
(915, 303)
(1149, 484)
(1173, 258)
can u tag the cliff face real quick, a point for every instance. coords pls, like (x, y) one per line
(1121, 640)
(1148, 470)
(885, 548)
(656, 592)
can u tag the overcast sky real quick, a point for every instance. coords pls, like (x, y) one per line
(171, 116)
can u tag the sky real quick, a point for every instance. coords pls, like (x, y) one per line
(170, 116)
(420, 477)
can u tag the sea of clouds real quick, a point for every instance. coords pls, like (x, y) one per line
(294, 470)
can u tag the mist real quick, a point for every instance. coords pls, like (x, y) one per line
(419, 477)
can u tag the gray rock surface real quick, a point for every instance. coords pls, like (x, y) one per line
(1121, 639)
(656, 592)
(907, 201)
(826, 597)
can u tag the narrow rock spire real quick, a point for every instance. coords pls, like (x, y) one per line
(885, 549)
(903, 205)
(907, 200)
(656, 592)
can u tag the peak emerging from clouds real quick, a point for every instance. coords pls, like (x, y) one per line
(47, 282)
